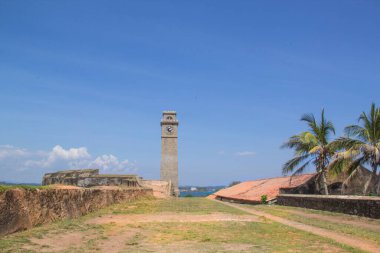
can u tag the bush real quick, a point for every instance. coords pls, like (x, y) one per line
(264, 199)
(234, 183)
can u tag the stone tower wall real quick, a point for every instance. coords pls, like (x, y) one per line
(169, 161)
(169, 150)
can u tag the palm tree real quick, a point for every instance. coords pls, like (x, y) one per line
(361, 146)
(311, 146)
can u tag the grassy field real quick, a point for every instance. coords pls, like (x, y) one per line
(8, 187)
(182, 225)
(180, 205)
(359, 227)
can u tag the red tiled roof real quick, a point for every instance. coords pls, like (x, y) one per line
(253, 190)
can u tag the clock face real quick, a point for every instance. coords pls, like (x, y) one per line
(169, 129)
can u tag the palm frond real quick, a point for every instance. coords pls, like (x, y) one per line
(291, 165)
(315, 150)
(330, 127)
(368, 124)
(355, 164)
(310, 120)
(301, 169)
(342, 160)
(301, 143)
(346, 143)
(357, 132)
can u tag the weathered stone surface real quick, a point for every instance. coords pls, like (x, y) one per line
(89, 178)
(161, 189)
(169, 150)
(21, 209)
(356, 205)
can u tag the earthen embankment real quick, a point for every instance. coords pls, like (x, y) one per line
(21, 209)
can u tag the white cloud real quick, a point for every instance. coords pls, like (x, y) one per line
(72, 154)
(245, 153)
(72, 158)
(109, 163)
(10, 151)
(18, 164)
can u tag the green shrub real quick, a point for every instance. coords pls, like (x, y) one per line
(264, 199)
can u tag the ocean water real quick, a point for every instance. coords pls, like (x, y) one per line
(195, 193)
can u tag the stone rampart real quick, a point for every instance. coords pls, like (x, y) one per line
(356, 205)
(89, 178)
(21, 209)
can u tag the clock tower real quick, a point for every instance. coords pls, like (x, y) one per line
(169, 150)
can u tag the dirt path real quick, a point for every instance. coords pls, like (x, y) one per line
(123, 237)
(339, 220)
(58, 242)
(347, 240)
(169, 217)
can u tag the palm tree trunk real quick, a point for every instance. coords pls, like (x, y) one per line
(370, 185)
(317, 184)
(324, 182)
(347, 181)
(376, 181)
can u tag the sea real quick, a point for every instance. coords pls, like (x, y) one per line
(195, 193)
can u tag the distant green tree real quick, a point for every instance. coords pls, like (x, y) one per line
(360, 147)
(234, 183)
(312, 146)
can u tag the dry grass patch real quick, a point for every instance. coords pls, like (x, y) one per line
(177, 225)
(359, 227)
(260, 237)
(179, 205)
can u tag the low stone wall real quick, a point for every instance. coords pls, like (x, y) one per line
(356, 205)
(21, 209)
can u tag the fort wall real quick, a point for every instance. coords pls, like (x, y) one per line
(22, 209)
(89, 178)
(356, 205)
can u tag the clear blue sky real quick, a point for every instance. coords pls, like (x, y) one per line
(83, 83)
